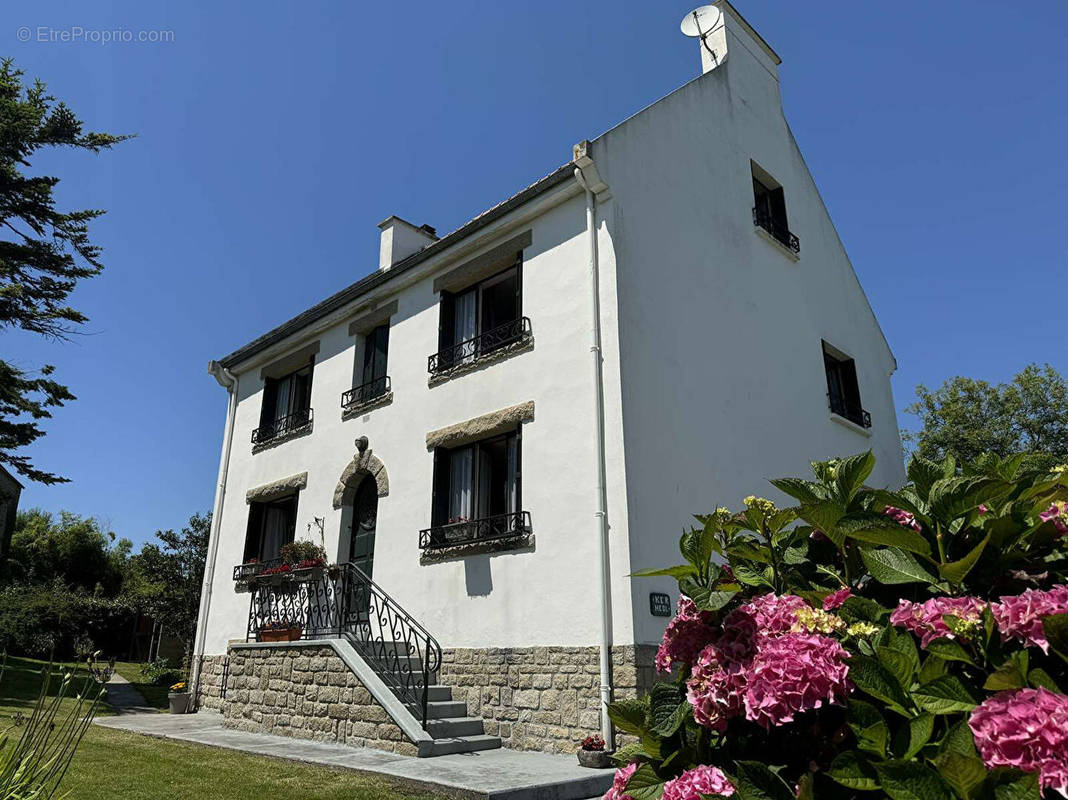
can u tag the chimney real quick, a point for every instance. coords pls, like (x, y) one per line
(722, 31)
(401, 239)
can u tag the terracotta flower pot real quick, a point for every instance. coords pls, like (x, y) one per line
(597, 759)
(281, 635)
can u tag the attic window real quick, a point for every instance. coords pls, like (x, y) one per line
(769, 209)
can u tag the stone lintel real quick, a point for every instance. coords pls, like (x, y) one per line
(487, 425)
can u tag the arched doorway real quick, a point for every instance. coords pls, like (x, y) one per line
(364, 522)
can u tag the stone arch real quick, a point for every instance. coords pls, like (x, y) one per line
(365, 464)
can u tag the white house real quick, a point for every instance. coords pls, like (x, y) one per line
(499, 424)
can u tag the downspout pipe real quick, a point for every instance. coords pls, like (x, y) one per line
(228, 381)
(588, 178)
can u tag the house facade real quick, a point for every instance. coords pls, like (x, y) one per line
(495, 427)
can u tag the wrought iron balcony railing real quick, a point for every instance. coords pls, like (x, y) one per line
(366, 392)
(513, 525)
(763, 219)
(283, 425)
(465, 352)
(855, 414)
(343, 602)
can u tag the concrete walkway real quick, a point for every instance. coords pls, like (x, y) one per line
(486, 775)
(125, 699)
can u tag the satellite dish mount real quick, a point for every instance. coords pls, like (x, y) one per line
(700, 24)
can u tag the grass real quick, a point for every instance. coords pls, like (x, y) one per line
(111, 763)
(155, 696)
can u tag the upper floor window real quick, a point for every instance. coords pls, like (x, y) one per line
(843, 389)
(270, 525)
(286, 404)
(769, 209)
(372, 382)
(480, 319)
(477, 493)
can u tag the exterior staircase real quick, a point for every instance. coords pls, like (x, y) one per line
(387, 649)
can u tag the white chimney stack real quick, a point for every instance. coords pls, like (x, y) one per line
(401, 239)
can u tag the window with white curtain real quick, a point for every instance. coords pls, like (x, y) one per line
(490, 305)
(270, 525)
(477, 480)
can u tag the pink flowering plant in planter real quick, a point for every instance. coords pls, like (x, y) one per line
(910, 644)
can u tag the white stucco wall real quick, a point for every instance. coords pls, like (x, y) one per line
(714, 377)
(722, 368)
(544, 597)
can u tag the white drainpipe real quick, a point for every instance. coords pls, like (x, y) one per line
(229, 381)
(586, 175)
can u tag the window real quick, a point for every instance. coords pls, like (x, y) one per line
(286, 404)
(769, 209)
(477, 493)
(270, 525)
(372, 381)
(843, 390)
(480, 319)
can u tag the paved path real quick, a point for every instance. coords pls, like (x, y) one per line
(486, 775)
(125, 699)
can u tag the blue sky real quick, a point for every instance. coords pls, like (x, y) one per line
(272, 137)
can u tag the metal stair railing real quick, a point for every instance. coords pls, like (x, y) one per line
(343, 601)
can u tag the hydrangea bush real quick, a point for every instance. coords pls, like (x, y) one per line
(865, 643)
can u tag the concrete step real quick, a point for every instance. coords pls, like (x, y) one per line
(440, 709)
(455, 727)
(463, 744)
(439, 694)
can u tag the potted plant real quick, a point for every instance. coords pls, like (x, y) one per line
(180, 698)
(306, 560)
(280, 631)
(592, 753)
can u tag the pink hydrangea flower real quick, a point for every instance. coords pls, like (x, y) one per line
(716, 690)
(794, 673)
(1057, 513)
(926, 619)
(685, 637)
(902, 517)
(835, 600)
(770, 613)
(619, 783)
(1020, 617)
(768, 680)
(1026, 729)
(698, 782)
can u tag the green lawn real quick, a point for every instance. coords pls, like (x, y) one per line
(111, 763)
(155, 696)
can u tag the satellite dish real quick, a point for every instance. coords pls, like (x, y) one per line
(701, 21)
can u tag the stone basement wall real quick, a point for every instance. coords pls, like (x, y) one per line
(543, 698)
(212, 683)
(307, 692)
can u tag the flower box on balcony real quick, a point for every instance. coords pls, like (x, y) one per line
(275, 635)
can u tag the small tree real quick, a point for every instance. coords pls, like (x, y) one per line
(43, 254)
(165, 579)
(965, 417)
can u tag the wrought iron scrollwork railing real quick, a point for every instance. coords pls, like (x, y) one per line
(290, 423)
(763, 219)
(513, 525)
(855, 414)
(343, 602)
(513, 332)
(366, 392)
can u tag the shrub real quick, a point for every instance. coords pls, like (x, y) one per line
(159, 672)
(910, 644)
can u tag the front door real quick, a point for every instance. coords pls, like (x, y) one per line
(364, 520)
